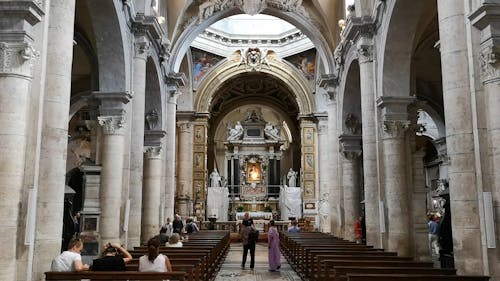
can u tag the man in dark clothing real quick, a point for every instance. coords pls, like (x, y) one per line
(113, 258)
(246, 228)
(177, 224)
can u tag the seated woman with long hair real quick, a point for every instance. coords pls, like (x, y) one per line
(154, 261)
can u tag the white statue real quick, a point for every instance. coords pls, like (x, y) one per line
(215, 178)
(271, 131)
(292, 178)
(236, 132)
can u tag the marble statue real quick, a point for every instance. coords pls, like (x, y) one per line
(235, 133)
(215, 178)
(292, 178)
(271, 131)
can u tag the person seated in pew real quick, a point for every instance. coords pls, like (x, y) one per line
(163, 237)
(114, 257)
(154, 261)
(70, 260)
(174, 241)
(191, 226)
(294, 228)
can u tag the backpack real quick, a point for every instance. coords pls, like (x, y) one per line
(253, 236)
(189, 228)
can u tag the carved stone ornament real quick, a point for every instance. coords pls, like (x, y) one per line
(153, 152)
(151, 119)
(365, 53)
(352, 123)
(254, 58)
(253, 7)
(112, 124)
(490, 71)
(141, 48)
(17, 58)
(395, 128)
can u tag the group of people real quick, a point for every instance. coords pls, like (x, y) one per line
(114, 256)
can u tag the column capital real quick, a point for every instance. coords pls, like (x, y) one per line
(17, 59)
(184, 126)
(395, 128)
(350, 146)
(112, 103)
(147, 25)
(322, 120)
(394, 108)
(112, 125)
(490, 64)
(329, 82)
(359, 26)
(153, 152)
(153, 137)
(364, 47)
(141, 48)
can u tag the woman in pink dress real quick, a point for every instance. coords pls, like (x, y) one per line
(273, 244)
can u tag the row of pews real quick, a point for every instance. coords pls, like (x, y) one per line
(199, 259)
(318, 256)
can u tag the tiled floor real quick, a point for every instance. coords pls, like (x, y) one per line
(231, 269)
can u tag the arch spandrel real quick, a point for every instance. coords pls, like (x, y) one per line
(305, 18)
(233, 67)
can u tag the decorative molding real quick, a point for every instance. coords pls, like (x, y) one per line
(112, 103)
(254, 58)
(184, 127)
(364, 47)
(153, 137)
(394, 108)
(490, 71)
(17, 58)
(112, 125)
(395, 128)
(350, 146)
(153, 152)
(330, 83)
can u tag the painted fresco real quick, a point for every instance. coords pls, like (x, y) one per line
(305, 62)
(202, 62)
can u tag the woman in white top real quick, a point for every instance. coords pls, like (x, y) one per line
(154, 261)
(173, 241)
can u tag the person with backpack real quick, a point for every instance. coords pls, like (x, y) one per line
(249, 236)
(191, 226)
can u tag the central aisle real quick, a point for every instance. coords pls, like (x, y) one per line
(231, 269)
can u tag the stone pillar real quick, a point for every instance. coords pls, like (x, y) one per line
(174, 82)
(395, 124)
(141, 48)
(369, 137)
(151, 193)
(418, 208)
(324, 175)
(17, 57)
(184, 192)
(351, 150)
(465, 216)
(329, 83)
(54, 140)
(112, 120)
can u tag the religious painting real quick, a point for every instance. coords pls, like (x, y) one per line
(199, 160)
(309, 189)
(202, 62)
(254, 172)
(90, 223)
(305, 63)
(309, 161)
(308, 135)
(199, 134)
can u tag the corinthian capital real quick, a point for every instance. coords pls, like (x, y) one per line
(364, 48)
(17, 58)
(395, 128)
(141, 47)
(153, 152)
(490, 64)
(112, 125)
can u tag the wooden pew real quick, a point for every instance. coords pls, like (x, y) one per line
(339, 273)
(116, 275)
(413, 277)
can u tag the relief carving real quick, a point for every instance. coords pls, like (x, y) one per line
(489, 65)
(17, 58)
(112, 124)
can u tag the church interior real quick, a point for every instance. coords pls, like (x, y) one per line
(117, 115)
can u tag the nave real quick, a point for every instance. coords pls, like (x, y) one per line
(231, 269)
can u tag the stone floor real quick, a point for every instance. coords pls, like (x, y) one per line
(231, 269)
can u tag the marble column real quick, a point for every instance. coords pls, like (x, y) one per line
(151, 193)
(330, 83)
(54, 142)
(184, 192)
(465, 216)
(369, 132)
(351, 152)
(112, 120)
(141, 52)
(395, 124)
(324, 174)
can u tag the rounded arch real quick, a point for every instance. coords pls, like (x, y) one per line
(350, 100)
(232, 68)
(400, 29)
(306, 25)
(111, 45)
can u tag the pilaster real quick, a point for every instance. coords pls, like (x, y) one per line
(185, 160)
(323, 174)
